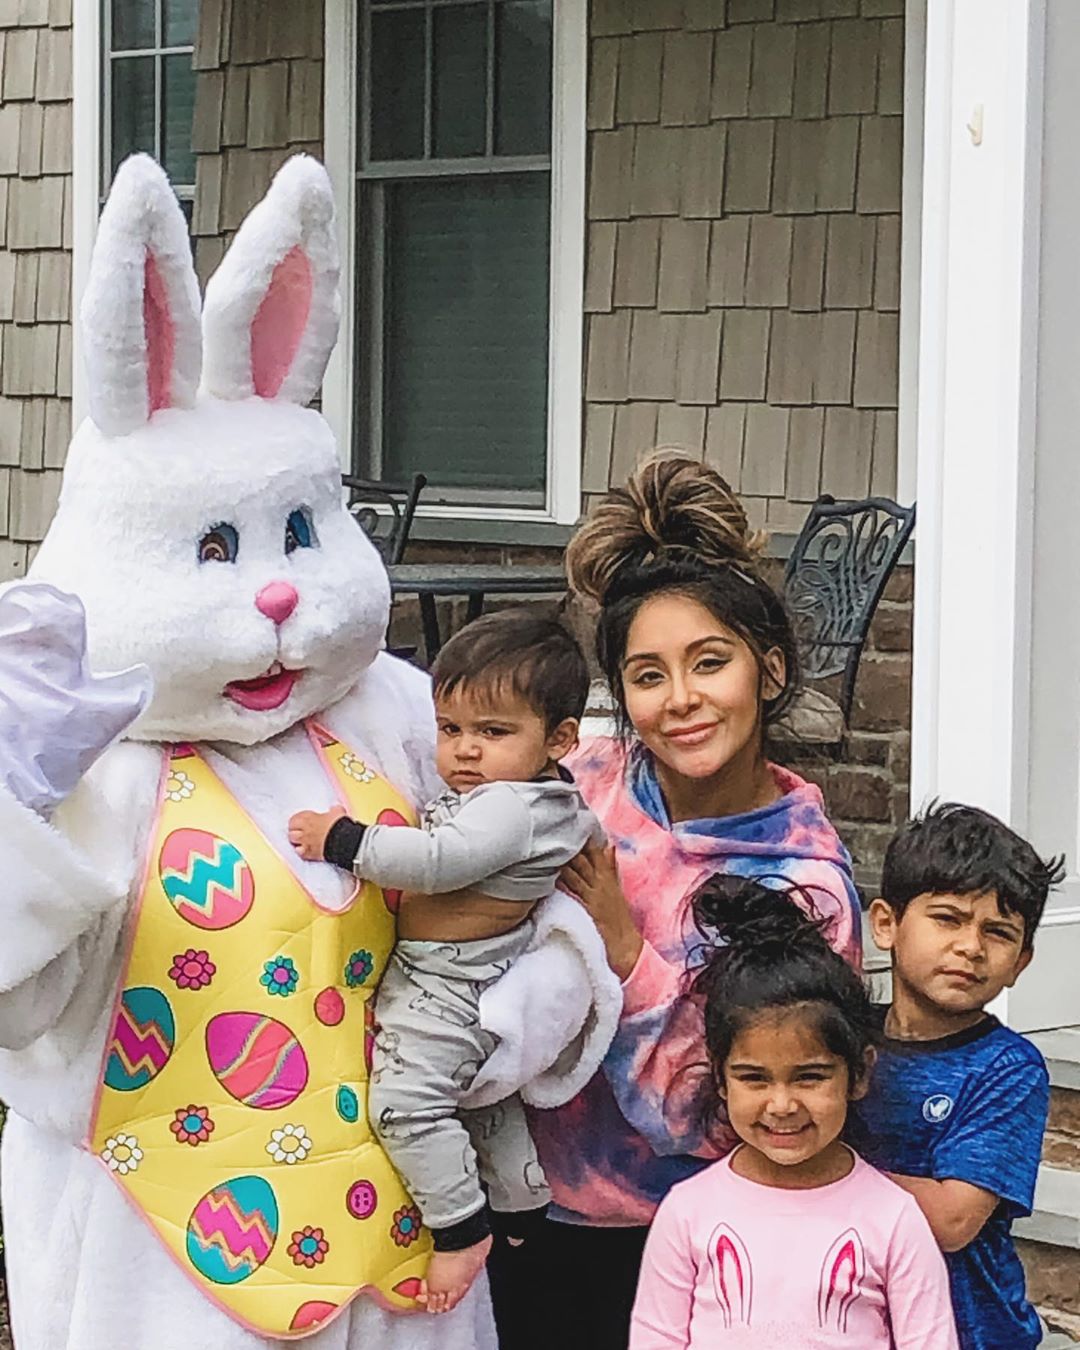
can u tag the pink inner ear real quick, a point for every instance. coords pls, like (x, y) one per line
(160, 337)
(279, 324)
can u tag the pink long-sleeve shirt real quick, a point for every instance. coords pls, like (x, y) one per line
(848, 1266)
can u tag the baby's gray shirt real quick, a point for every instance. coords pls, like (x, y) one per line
(506, 840)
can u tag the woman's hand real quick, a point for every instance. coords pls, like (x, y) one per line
(308, 831)
(593, 878)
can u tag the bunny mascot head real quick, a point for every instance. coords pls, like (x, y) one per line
(203, 525)
(184, 1004)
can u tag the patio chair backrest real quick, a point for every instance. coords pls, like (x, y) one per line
(388, 529)
(834, 579)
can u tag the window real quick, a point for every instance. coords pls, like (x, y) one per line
(149, 88)
(453, 229)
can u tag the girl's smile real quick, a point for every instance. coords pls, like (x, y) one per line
(787, 1097)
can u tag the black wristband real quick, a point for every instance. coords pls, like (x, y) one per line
(343, 842)
(465, 1233)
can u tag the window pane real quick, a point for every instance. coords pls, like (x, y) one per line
(459, 82)
(132, 24)
(397, 85)
(178, 22)
(177, 112)
(523, 77)
(132, 107)
(465, 380)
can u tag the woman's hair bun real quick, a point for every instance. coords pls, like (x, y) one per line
(672, 509)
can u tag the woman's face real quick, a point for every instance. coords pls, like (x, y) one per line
(693, 688)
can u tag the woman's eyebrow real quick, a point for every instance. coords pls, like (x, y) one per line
(691, 647)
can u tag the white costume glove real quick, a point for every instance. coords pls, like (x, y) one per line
(56, 716)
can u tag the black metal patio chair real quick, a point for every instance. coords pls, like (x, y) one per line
(385, 511)
(834, 578)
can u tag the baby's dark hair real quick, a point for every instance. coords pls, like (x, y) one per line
(764, 952)
(950, 849)
(517, 652)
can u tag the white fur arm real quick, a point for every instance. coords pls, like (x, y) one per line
(52, 898)
(554, 1013)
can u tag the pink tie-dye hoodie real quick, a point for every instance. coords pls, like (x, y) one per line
(613, 1152)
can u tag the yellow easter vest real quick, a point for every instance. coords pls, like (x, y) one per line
(232, 1107)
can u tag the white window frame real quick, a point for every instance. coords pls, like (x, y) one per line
(567, 285)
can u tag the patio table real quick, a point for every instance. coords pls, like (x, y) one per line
(475, 581)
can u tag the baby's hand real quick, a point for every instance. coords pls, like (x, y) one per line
(308, 831)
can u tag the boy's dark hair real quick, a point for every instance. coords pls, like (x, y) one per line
(950, 849)
(518, 652)
(764, 951)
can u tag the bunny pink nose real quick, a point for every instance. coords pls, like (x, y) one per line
(277, 600)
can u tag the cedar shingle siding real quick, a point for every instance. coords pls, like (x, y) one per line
(258, 100)
(743, 279)
(743, 272)
(35, 269)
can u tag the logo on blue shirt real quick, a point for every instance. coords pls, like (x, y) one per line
(937, 1109)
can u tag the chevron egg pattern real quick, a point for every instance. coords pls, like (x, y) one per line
(232, 1230)
(207, 879)
(142, 1041)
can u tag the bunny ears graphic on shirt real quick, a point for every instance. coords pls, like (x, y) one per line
(272, 307)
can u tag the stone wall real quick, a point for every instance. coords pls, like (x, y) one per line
(867, 788)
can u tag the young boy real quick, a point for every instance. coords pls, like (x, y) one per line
(958, 1102)
(509, 692)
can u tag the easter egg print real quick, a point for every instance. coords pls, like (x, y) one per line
(207, 880)
(232, 1230)
(256, 1059)
(391, 898)
(311, 1314)
(142, 1040)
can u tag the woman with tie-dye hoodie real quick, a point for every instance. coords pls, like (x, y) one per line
(699, 653)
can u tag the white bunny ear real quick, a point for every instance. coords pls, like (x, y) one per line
(140, 311)
(271, 315)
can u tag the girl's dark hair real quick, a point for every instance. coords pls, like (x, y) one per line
(762, 951)
(677, 526)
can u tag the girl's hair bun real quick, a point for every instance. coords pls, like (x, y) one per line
(756, 923)
(673, 509)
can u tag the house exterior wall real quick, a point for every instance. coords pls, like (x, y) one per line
(742, 287)
(35, 269)
(743, 279)
(258, 99)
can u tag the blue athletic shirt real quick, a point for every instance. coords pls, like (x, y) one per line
(970, 1107)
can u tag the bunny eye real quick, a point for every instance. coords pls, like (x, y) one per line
(221, 544)
(299, 531)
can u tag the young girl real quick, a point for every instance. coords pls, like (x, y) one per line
(791, 1240)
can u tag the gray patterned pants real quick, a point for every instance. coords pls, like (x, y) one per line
(428, 1050)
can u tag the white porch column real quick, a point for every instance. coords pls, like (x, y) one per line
(979, 305)
(976, 423)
